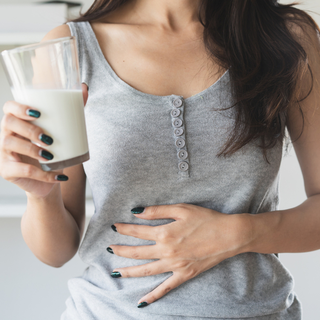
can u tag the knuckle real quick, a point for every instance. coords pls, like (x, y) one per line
(126, 274)
(49, 177)
(170, 253)
(6, 120)
(181, 264)
(166, 289)
(28, 170)
(5, 141)
(153, 211)
(6, 106)
(32, 150)
(33, 131)
(131, 230)
(147, 272)
(163, 235)
(135, 254)
(181, 205)
(191, 273)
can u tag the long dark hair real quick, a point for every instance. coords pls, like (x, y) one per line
(252, 37)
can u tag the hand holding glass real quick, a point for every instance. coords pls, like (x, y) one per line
(46, 77)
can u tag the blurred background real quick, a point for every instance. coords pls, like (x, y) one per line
(32, 290)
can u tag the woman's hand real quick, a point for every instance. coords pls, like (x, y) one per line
(196, 241)
(19, 157)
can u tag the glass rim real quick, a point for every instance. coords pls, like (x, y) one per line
(37, 45)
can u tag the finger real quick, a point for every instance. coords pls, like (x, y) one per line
(159, 212)
(136, 252)
(34, 133)
(174, 281)
(13, 144)
(22, 111)
(144, 270)
(84, 93)
(17, 170)
(137, 231)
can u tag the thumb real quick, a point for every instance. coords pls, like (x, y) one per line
(84, 93)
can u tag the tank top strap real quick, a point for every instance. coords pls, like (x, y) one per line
(87, 46)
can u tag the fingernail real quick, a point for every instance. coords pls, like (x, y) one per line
(46, 139)
(137, 210)
(115, 274)
(114, 228)
(45, 154)
(33, 113)
(110, 250)
(61, 177)
(142, 304)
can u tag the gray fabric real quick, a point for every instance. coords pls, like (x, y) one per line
(133, 162)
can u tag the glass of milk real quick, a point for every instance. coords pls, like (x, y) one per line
(46, 76)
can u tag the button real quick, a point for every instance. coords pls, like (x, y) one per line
(180, 143)
(177, 123)
(178, 131)
(183, 166)
(177, 102)
(183, 154)
(175, 113)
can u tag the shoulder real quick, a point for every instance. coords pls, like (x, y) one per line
(308, 37)
(57, 32)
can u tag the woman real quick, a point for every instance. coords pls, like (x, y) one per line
(186, 115)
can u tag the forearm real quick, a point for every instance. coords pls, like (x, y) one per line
(293, 230)
(49, 229)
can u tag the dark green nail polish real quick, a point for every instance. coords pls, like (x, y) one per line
(115, 274)
(45, 154)
(33, 113)
(110, 250)
(46, 139)
(137, 210)
(114, 228)
(61, 177)
(142, 304)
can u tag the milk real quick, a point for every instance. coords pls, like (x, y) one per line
(62, 118)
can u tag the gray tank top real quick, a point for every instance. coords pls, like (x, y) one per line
(150, 150)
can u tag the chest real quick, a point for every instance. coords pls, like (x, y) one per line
(156, 64)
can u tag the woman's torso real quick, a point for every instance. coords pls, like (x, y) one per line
(134, 162)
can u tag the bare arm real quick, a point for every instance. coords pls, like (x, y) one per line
(49, 229)
(53, 226)
(298, 229)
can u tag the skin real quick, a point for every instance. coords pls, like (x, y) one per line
(160, 38)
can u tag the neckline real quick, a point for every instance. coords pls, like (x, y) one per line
(126, 86)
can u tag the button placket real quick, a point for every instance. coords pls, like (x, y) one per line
(179, 136)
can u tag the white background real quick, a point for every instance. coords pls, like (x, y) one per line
(31, 290)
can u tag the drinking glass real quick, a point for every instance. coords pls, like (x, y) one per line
(46, 76)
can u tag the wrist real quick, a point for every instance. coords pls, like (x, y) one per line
(262, 231)
(245, 231)
(53, 193)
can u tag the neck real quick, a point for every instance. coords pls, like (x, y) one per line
(172, 15)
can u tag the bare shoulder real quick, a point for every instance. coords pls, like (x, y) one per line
(57, 32)
(308, 37)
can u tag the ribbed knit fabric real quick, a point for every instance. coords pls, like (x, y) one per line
(151, 150)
